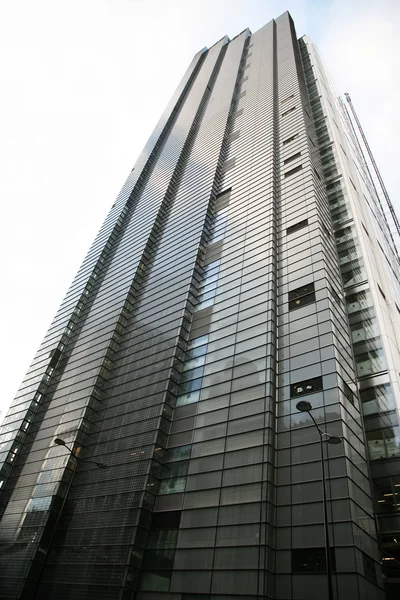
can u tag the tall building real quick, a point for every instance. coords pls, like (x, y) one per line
(247, 264)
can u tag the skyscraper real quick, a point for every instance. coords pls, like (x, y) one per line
(247, 264)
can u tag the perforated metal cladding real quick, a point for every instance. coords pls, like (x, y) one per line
(103, 503)
(117, 554)
(137, 441)
(94, 537)
(79, 592)
(98, 519)
(145, 407)
(128, 430)
(102, 574)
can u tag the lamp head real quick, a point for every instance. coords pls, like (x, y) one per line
(59, 442)
(303, 406)
(334, 439)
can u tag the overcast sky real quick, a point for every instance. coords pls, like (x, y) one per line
(83, 84)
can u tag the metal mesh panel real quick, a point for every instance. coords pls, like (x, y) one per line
(96, 519)
(103, 502)
(127, 430)
(83, 537)
(129, 416)
(104, 487)
(97, 554)
(76, 592)
(84, 573)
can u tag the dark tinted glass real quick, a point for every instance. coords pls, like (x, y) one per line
(166, 520)
(297, 226)
(301, 291)
(310, 560)
(309, 386)
(303, 301)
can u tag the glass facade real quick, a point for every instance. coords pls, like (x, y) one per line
(369, 268)
(229, 279)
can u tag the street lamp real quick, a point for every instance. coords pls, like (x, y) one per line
(61, 442)
(305, 406)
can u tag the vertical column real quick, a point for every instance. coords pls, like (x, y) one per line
(315, 363)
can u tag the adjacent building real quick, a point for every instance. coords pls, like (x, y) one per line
(246, 264)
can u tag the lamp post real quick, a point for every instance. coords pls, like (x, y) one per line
(61, 442)
(305, 406)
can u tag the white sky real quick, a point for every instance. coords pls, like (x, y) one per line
(83, 84)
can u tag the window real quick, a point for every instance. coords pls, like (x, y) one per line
(352, 184)
(293, 137)
(297, 226)
(198, 361)
(166, 520)
(309, 386)
(188, 398)
(324, 227)
(365, 229)
(155, 580)
(192, 374)
(293, 171)
(317, 174)
(301, 296)
(311, 560)
(234, 136)
(172, 485)
(222, 200)
(187, 387)
(369, 568)
(377, 399)
(197, 347)
(380, 246)
(161, 559)
(383, 443)
(174, 454)
(207, 288)
(288, 111)
(229, 164)
(348, 392)
(288, 98)
(381, 291)
(211, 268)
(288, 160)
(335, 294)
(54, 355)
